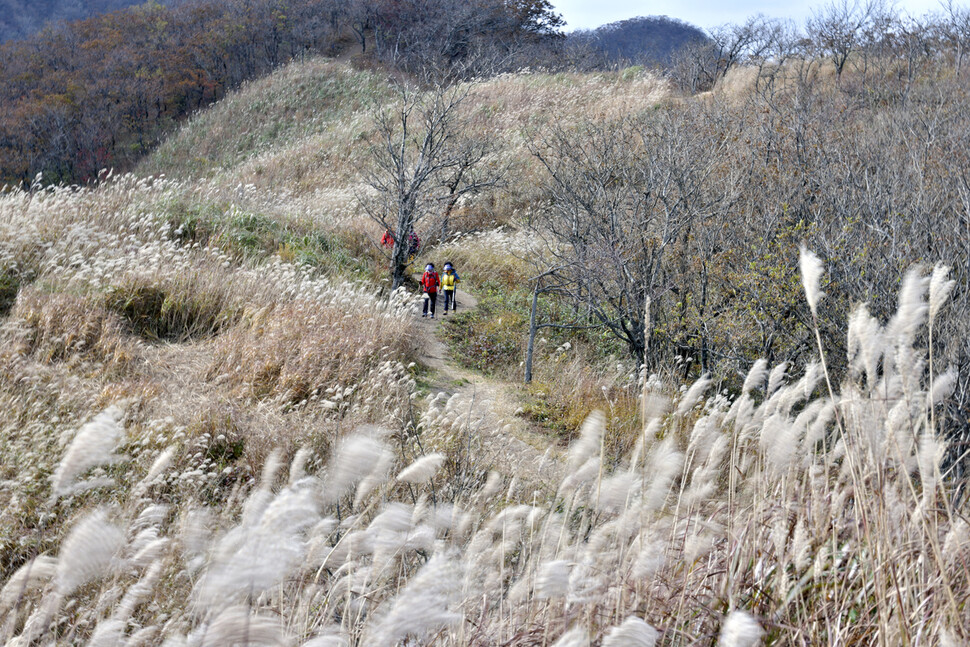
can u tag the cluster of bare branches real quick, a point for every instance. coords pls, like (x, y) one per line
(679, 224)
(424, 162)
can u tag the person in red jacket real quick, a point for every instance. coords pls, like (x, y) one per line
(387, 240)
(429, 285)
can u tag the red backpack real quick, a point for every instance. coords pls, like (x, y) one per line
(430, 281)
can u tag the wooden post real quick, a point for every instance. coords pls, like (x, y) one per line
(532, 333)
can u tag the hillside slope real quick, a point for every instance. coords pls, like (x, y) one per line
(222, 428)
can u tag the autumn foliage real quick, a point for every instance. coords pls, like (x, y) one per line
(101, 92)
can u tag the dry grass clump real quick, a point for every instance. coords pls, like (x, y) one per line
(64, 327)
(296, 350)
(569, 382)
(195, 304)
(496, 256)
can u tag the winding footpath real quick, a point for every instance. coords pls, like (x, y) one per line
(509, 445)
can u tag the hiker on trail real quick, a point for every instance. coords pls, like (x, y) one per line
(387, 240)
(449, 285)
(414, 244)
(429, 285)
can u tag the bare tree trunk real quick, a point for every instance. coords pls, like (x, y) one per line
(402, 244)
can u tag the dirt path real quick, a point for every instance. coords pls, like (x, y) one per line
(509, 445)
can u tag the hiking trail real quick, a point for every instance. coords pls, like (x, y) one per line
(509, 443)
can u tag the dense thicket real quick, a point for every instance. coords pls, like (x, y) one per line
(652, 40)
(684, 222)
(100, 92)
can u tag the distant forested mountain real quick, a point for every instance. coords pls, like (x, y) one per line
(651, 40)
(99, 93)
(23, 18)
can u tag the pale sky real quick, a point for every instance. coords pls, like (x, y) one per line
(585, 14)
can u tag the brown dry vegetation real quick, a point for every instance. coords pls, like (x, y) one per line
(215, 433)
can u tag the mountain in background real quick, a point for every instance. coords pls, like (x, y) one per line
(651, 40)
(101, 92)
(22, 18)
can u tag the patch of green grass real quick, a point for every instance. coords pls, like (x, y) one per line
(490, 338)
(251, 236)
(9, 286)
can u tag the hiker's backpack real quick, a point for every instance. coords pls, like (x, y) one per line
(430, 281)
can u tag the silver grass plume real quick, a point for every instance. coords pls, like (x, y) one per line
(949, 638)
(664, 465)
(590, 437)
(756, 376)
(30, 577)
(634, 632)
(88, 552)
(911, 310)
(138, 593)
(327, 641)
(237, 626)
(261, 552)
(943, 386)
(378, 475)
(957, 541)
(194, 535)
(552, 580)
(493, 485)
(108, 633)
(160, 464)
(298, 465)
(575, 637)
(93, 445)
(776, 378)
(144, 637)
(616, 491)
(779, 442)
(740, 630)
(693, 395)
(355, 457)
(811, 269)
(422, 470)
(866, 343)
(426, 605)
(940, 289)
(929, 455)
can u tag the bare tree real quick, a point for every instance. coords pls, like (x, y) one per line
(838, 29)
(623, 196)
(956, 30)
(423, 164)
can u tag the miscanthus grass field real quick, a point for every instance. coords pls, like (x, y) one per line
(208, 439)
(799, 512)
